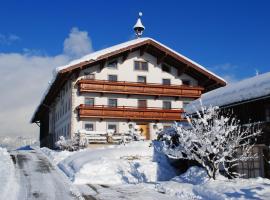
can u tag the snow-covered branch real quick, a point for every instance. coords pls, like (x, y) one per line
(213, 139)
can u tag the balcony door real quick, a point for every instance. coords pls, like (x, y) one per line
(142, 103)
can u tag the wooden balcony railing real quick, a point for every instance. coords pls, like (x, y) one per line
(123, 87)
(129, 113)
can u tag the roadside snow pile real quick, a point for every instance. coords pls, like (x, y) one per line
(7, 176)
(56, 156)
(194, 175)
(194, 184)
(136, 162)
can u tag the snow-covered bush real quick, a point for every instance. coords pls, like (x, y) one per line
(213, 140)
(73, 144)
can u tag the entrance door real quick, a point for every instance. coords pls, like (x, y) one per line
(144, 129)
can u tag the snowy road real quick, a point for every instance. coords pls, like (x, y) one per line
(38, 178)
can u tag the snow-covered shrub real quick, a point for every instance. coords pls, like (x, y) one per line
(213, 140)
(73, 144)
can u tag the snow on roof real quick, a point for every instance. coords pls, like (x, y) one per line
(251, 88)
(95, 55)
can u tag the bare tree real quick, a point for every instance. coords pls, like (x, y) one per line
(213, 140)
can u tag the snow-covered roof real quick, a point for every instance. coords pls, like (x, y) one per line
(95, 55)
(248, 89)
(107, 52)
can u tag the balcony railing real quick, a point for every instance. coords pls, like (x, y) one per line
(152, 89)
(129, 113)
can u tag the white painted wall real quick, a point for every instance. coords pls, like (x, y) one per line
(125, 72)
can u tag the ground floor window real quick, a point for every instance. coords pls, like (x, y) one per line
(89, 126)
(112, 126)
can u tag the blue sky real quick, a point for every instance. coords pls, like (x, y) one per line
(228, 37)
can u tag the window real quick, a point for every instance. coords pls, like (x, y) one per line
(185, 103)
(186, 82)
(141, 79)
(167, 105)
(112, 64)
(166, 81)
(166, 68)
(89, 126)
(87, 75)
(141, 65)
(142, 103)
(112, 77)
(112, 127)
(112, 102)
(89, 101)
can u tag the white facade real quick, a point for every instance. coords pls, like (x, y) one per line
(64, 118)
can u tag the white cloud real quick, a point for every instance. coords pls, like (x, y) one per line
(8, 39)
(77, 44)
(24, 78)
(226, 71)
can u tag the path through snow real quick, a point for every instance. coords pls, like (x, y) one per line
(38, 178)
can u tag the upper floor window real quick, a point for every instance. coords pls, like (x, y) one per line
(112, 64)
(141, 65)
(112, 102)
(89, 126)
(87, 75)
(112, 77)
(142, 103)
(89, 101)
(167, 105)
(185, 103)
(141, 79)
(166, 81)
(166, 68)
(186, 82)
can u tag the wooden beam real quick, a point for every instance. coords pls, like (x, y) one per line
(204, 83)
(102, 64)
(161, 59)
(182, 70)
(143, 50)
(125, 56)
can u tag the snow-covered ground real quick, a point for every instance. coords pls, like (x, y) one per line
(8, 189)
(133, 171)
(139, 171)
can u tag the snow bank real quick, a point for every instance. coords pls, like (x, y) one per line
(134, 163)
(56, 156)
(8, 189)
(194, 184)
(247, 89)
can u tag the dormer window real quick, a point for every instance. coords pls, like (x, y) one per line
(166, 68)
(112, 64)
(141, 65)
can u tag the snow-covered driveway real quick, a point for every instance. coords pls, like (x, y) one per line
(38, 178)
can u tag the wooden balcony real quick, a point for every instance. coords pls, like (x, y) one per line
(151, 89)
(129, 113)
